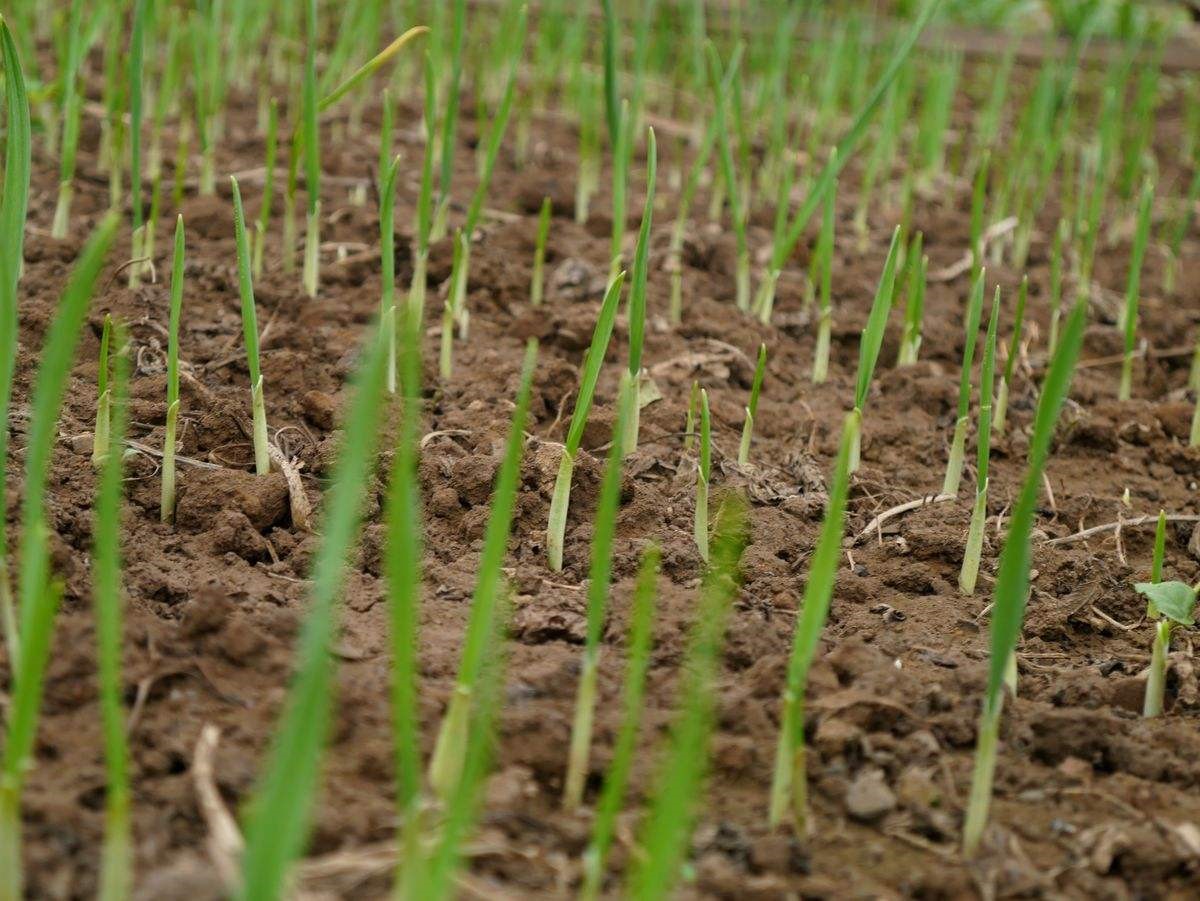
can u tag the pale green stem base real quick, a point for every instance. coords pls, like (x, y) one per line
(700, 527)
(1000, 413)
(387, 322)
(416, 292)
(136, 250)
(789, 781)
(581, 731)
(450, 750)
(820, 369)
(855, 456)
(560, 502)
(1156, 681)
(208, 174)
(437, 228)
(289, 236)
(629, 440)
(742, 282)
(981, 779)
(312, 251)
(969, 573)
(910, 346)
(747, 433)
(954, 465)
(101, 432)
(62, 211)
(262, 457)
(537, 285)
(1125, 391)
(765, 302)
(166, 507)
(462, 316)
(116, 857)
(260, 245)
(676, 305)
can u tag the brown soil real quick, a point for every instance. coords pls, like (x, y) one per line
(1091, 801)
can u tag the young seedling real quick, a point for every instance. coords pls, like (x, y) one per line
(72, 104)
(846, 146)
(1180, 230)
(387, 264)
(597, 605)
(560, 500)
(703, 474)
(424, 216)
(166, 507)
(637, 296)
(616, 780)
(312, 154)
(262, 456)
(737, 203)
(537, 285)
(1156, 562)
(450, 753)
(279, 813)
(978, 202)
(116, 861)
(38, 593)
(622, 150)
(1010, 361)
(752, 407)
(970, 565)
(872, 339)
(1129, 315)
(1172, 604)
(137, 41)
(103, 399)
(958, 443)
(789, 783)
(689, 425)
(1012, 578)
(823, 261)
(1056, 283)
(667, 829)
(268, 190)
(14, 203)
(914, 304)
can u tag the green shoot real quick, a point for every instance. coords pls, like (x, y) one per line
(737, 203)
(689, 426)
(262, 456)
(387, 265)
(370, 67)
(424, 216)
(978, 201)
(116, 878)
(614, 116)
(752, 407)
(1156, 562)
(846, 146)
(637, 296)
(970, 566)
(872, 340)
(954, 464)
(450, 753)
(597, 604)
(666, 832)
(1012, 578)
(914, 304)
(39, 594)
(703, 474)
(137, 41)
(402, 569)
(277, 818)
(167, 501)
(823, 261)
(622, 149)
(612, 795)
(268, 190)
(312, 153)
(560, 500)
(537, 284)
(450, 119)
(1056, 282)
(1129, 315)
(1172, 603)
(72, 104)
(13, 205)
(789, 784)
(1014, 349)
(103, 399)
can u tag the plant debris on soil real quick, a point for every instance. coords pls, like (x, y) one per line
(1091, 800)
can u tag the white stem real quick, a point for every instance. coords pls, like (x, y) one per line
(581, 731)
(312, 251)
(560, 502)
(166, 507)
(969, 573)
(1000, 414)
(450, 750)
(262, 457)
(1156, 682)
(820, 370)
(747, 433)
(101, 432)
(982, 778)
(954, 465)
